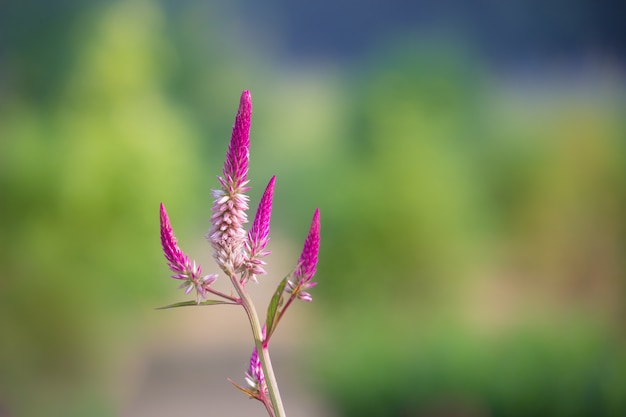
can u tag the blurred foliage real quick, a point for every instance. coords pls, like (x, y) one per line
(472, 224)
(81, 181)
(441, 367)
(477, 261)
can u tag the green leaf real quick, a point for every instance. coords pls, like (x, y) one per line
(194, 304)
(273, 308)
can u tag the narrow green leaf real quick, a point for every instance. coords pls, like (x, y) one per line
(194, 303)
(272, 308)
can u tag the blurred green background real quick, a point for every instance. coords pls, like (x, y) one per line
(469, 162)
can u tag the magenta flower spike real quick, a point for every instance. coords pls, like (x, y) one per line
(308, 258)
(259, 235)
(307, 263)
(227, 234)
(254, 375)
(180, 264)
(238, 155)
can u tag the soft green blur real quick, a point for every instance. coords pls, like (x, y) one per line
(477, 268)
(473, 224)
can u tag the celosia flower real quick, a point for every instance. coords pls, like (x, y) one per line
(179, 263)
(254, 375)
(227, 233)
(259, 235)
(307, 263)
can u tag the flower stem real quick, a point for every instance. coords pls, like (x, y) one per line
(263, 351)
(225, 296)
(268, 407)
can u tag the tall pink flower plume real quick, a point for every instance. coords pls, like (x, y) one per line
(259, 234)
(227, 234)
(179, 263)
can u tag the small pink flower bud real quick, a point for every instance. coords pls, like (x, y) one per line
(254, 375)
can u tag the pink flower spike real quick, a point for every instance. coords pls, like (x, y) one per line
(307, 263)
(254, 375)
(175, 257)
(258, 237)
(308, 259)
(260, 231)
(184, 269)
(238, 155)
(227, 234)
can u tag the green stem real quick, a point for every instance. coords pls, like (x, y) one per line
(263, 352)
(282, 311)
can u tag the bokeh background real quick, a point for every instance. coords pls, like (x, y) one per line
(468, 159)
